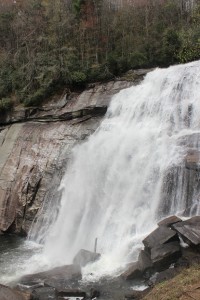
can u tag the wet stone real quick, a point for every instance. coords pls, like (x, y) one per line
(132, 272)
(56, 277)
(160, 236)
(169, 221)
(189, 230)
(44, 293)
(164, 255)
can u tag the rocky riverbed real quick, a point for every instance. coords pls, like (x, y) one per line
(168, 250)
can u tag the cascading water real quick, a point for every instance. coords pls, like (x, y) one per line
(113, 189)
(116, 188)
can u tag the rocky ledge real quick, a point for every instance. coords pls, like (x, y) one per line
(171, 247)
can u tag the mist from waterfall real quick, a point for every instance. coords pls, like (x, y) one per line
(113, 189)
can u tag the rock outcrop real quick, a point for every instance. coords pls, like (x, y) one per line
(163, 247)
(35, 147)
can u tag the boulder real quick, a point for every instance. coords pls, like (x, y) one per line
(44, 293)
(169, 221)
(30, 286)
(139, 268)
(144, 261)
(6, 293)
(66, 273)
(189, 230)
(84, 257)
(164, 255)
(160, 236)
(132, 272)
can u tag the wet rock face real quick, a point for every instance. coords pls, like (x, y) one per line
(181, 185)
(159, 236)
(31, 170)
(35, 148)
(164, 255)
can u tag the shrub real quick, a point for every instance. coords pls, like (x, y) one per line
(36, 98)
(137, 60)
(5, 104)
(171, 44)
(78, 78)
(190, 49)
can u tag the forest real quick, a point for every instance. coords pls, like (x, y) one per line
(47, 45)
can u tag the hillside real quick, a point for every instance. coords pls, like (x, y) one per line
(50, 45)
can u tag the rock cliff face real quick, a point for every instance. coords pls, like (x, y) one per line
(35, 147)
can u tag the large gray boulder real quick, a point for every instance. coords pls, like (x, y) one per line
(133, 272)
(44, 293)
(51, 277)
(160, 236)
(167, 222)
(84, 257)
(138, 269)
(189, 230)
(164, 255)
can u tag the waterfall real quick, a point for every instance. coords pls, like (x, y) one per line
(116, 187)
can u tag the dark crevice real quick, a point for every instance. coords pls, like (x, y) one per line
(90, 112)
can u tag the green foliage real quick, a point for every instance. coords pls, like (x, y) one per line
(36, 98)
(5, 78)
(137, 60)
(5, 104)
(171, 45)
(77, 5)
(48, 44)
(99, 72)
(190, 49)
(78, 78)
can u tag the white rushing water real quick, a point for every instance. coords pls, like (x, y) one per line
(113, 189)
(116, 188)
